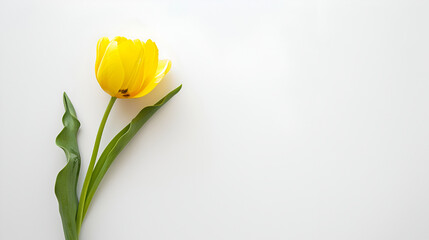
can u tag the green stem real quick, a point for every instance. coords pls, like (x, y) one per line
(80, 213)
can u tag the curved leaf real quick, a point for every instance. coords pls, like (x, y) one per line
(119, 142)
(65, 185)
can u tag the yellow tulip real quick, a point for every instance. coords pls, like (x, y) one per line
(129, 68)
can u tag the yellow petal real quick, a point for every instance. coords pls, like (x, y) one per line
(163, 68)
(101, 49)
(134, 86)
(148, 70)
(110, 74)
(151, 62)
(131, 54)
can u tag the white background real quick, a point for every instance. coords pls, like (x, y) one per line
(297, 119)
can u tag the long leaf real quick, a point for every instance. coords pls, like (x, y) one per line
(65, 185)
(119, 142)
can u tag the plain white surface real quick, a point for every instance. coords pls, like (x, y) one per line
(297, 119)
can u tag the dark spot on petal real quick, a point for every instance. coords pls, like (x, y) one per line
(123, 90)
(126, 95)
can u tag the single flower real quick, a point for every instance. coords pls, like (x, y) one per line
(129, 68)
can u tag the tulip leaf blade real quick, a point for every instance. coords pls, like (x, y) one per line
(66, 182)
(118, 143)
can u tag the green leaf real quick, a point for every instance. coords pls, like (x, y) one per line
(65, 185)
(119, 142)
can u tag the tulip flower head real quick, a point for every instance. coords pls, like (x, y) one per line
(129, 68)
